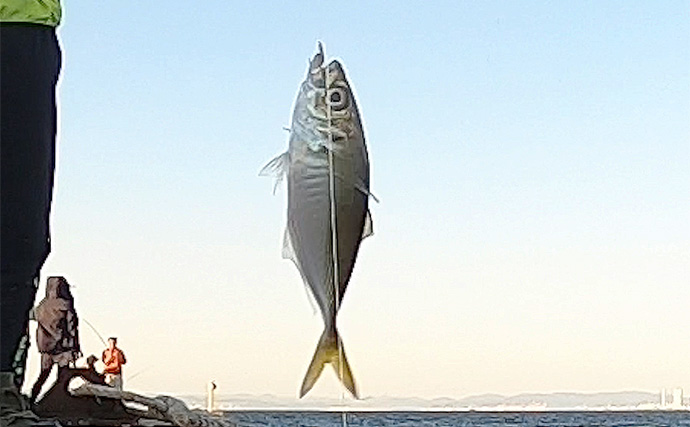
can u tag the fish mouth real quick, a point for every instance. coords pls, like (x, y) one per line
(316, 63)
(322, 75)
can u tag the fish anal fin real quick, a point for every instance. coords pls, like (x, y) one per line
(288, 252)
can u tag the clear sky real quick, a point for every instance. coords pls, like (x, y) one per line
(533, 165)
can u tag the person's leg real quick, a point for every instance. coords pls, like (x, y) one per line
(46, 367)
(118, 382)
(17, 298)
(29, 65)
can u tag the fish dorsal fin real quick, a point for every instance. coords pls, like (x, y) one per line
(277, 168)
(368, 228)
(288, 252)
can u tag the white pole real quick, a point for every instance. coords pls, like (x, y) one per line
(211, 396)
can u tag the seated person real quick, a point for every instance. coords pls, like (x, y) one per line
(90, 374)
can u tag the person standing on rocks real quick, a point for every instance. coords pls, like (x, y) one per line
(57, 334)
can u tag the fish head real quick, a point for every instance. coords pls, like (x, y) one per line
(328, 99)
(338, 94)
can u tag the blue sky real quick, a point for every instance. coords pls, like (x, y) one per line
(531, 158)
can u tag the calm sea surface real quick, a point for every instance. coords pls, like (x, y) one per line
(469, 419)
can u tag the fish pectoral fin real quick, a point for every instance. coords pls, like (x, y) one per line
(327, 351)
(368, 229)
(359, 185)
(277, 168)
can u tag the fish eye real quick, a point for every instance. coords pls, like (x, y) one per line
(337, 98)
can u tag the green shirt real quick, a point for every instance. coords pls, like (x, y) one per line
(46, 12)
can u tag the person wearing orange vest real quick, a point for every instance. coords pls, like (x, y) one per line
(113, 358)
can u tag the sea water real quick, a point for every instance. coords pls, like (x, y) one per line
(468, 419)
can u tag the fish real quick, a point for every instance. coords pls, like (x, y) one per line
(327, 171)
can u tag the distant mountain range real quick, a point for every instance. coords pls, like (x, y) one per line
(527, 401)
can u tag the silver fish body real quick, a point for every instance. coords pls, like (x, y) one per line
(326, 166)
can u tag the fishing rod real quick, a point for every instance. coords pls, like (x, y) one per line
(94, 330)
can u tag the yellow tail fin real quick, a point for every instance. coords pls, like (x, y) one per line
(327, 352)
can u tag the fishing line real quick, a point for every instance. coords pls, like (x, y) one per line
(136, 374)
(334, 232)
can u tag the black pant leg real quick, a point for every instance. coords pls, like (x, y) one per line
(29, 67)
(46, 367)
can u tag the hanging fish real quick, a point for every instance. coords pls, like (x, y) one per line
(327, 169)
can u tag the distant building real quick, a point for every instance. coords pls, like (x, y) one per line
(663, 398)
